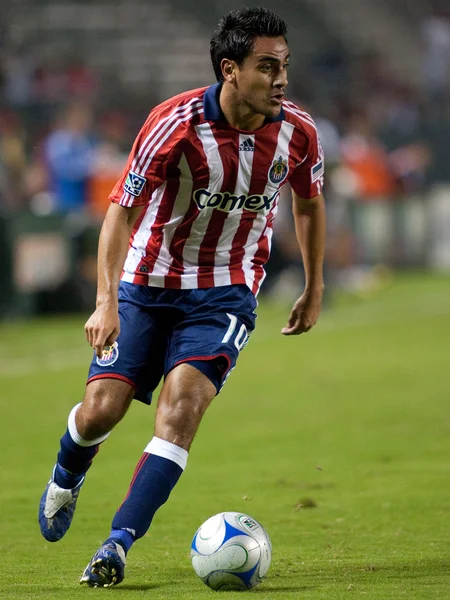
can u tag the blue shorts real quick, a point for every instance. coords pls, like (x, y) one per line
(162, 328)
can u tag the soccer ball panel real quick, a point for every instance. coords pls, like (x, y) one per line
(225, 582)
(231, 551)
(265, 557)
(230, 557)
(210, 535)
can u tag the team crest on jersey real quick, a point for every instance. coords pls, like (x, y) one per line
(109, 355)
(279, 170)
(134, 184)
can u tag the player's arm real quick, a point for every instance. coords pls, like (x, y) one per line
(145, 171)
(102, 328)
(310, 227)
(131, 193)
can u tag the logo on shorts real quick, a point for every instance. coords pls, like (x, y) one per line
(134, 184)
(109, 355)
(279, 170)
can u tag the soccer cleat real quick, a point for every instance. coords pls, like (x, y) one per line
(56, 509)
(106, 567)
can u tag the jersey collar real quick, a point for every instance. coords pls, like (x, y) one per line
(213, 112)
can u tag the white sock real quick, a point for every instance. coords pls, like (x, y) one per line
(172, 452)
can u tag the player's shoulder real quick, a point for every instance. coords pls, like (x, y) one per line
(174, 118)
(299, 118)
(186, 103)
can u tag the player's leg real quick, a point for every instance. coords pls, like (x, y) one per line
(203, 349)
(113, 380)
(90, 423)
(185, 396)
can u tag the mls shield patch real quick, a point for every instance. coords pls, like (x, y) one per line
(279, 170)
(134, 184)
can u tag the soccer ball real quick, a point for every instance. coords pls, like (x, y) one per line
(231, 551)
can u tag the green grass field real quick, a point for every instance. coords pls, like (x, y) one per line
(338, 441)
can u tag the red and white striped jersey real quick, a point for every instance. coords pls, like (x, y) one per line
(210, 191)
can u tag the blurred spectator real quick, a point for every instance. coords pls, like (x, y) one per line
(109, 161)
(13, 162)
(61, 176)
(436, 133)
(400, 116)
(436, 36)
(18, 74)
(50, 82)
(68, 154)
(81, 81)
(368, 172)
(370, 83)
(377, 182)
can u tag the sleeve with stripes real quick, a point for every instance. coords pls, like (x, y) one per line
(307, 177)
(146, 168)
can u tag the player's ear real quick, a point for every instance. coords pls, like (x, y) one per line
(228, 69)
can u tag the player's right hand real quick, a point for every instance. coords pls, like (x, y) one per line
(102, 328)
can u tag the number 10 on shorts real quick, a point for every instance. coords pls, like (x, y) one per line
(241, 338)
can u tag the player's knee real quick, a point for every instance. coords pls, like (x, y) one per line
(100, 412)
(185, 397)
(182, 411)
(94, 421)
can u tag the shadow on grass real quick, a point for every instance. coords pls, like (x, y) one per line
(283, 588)
(137, 587)
(84, 588)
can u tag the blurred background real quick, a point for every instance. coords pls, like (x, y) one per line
(78, 78)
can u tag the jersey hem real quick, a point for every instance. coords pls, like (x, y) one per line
(190, 282)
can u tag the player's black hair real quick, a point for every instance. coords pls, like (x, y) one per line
(235, 35)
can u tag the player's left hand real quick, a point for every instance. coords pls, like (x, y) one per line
(305, 312)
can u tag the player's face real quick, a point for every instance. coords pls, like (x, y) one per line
(262, 77)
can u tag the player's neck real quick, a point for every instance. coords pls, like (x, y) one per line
(237, 114)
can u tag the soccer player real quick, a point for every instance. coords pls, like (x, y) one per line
(181, 259)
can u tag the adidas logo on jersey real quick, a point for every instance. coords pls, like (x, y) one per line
(247, 146)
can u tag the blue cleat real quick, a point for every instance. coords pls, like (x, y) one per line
(106, 567)
(56, 509)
